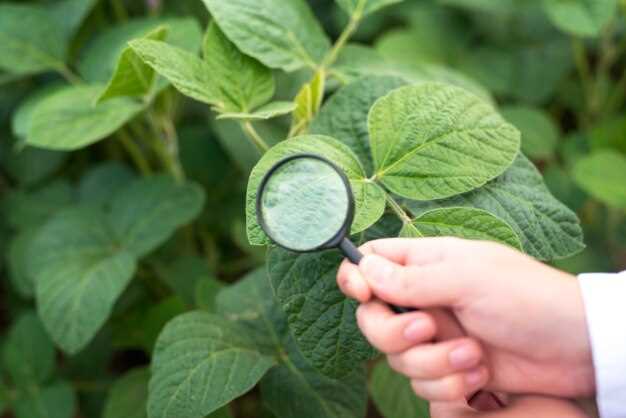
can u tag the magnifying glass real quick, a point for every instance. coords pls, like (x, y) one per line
(305, 204)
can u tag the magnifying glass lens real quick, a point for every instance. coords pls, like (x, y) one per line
(304, 204)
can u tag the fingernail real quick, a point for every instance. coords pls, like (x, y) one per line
(376, 267)
(475, 377)
(463, 357)
(416, 330)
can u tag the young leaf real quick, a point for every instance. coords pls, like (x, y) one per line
(28, 354)
(539, 133)
(296, 390)
(432, 141)
(321, 318)
(465, 223)
(602, 174)
(280, 34)
(308, 103)
(344, 115)
(80, 270)
(128, 395)
(200, 363)
(149, 210)
(393, 396)
(188, 73)
(243, 82)
(269, 111)
(369, 197)
(580, 17)
(69, 120)
(57, 400)
(364, 7)
(30, 41)
(132, 77)
(547, 228)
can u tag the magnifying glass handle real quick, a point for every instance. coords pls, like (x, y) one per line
(355, 256)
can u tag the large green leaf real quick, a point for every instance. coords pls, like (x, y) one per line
(100, 58)
(102, 182)
(30, 41)
(344, 115)
(280, 34)
(369, 197)
(296, 390)
(132, 77)
(547, 228)
(243, 82)
(364, 7)
(602, 175)
(54, 401)
(201, 362)
(467, 223)
(80, 270)
(539, 132)
(69, 120)
(28, 354)
(148, 211)
(393, 396)
(432, 141)
(581, 17)
(128, 395)
(321, 318)
(18, 261)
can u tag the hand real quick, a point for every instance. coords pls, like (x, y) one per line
(525, 321)
(523, 407)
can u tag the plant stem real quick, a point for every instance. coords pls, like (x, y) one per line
(136, 154)
(166, 147)
(347, 33)
(120, 11)
(255, 137)
(397, 209)
(68, 74)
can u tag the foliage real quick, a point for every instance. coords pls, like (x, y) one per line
(134, 136)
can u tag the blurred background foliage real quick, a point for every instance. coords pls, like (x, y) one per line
(561, 82)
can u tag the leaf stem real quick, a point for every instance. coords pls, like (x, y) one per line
(166, 146)
(254, 136)
(68, 74)
(347, 33)
(398, 210)
(136, 154)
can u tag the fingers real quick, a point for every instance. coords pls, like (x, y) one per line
(429, 285)
(521, 407)
(392, 333)
(454, 387)
(352, 284)
(435, 361)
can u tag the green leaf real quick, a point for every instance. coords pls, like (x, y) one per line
(29, 166)
(147, 212)
(269, 111)
(30, 41)
(393, 396)
(369, 197)
(80, 270)
(100, 58)
(280, 34)
(322, 320)
(187, 73)
(364, 7)
(69, 120)
(356, 61)
(128, 395)
(344, 115)
(54, 401)
(602, 175)
(432, 141)
(132, 77)
(24, 210)
(308, 102)
(200, 363)
(184, 274)
(296, 390)
(539, 132)
(23, 116)
(467, 223)
(581, 17)
(547, 228)
(69, 14)
(243, 82)
(19, 261)
(100, 184)
(28, 354)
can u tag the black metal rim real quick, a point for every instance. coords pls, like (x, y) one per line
(343, 231)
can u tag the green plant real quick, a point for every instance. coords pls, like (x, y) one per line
(152, 280)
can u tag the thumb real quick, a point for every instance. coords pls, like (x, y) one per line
(429, 285)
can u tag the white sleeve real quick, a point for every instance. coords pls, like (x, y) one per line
(604, 296)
